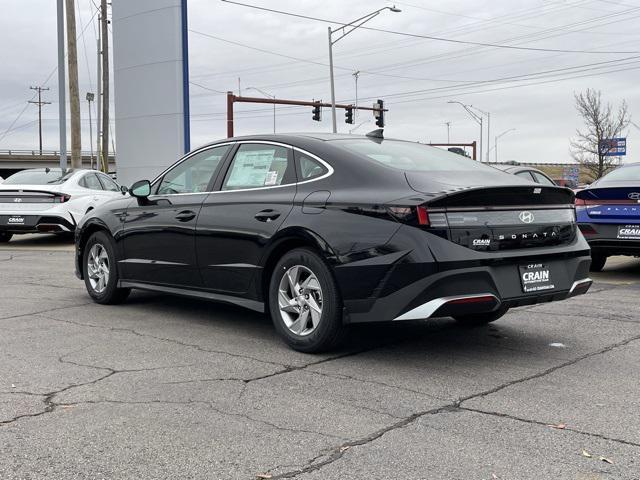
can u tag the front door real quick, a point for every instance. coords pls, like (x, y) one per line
(159, 232)
(238, 220)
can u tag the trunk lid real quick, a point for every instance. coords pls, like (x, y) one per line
(496, 216)
(25, 199)
(618, 202)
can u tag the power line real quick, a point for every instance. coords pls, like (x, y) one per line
(427, 37)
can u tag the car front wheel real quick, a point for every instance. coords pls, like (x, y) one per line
(100, 270)
(304, 302)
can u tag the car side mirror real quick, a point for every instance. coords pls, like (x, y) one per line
(141, 189)
(124, 189)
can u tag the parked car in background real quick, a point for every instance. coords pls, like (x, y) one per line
(325, 230)
(51, 200)
(608, 214)
(528, 173)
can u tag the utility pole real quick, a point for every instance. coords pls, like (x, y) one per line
(355, 77)
(98, 100)
(105, 87)
(74, 93)
(62, 102)
(448, 124)
(39, 103)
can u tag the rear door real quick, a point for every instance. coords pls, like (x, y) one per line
(237, 221)
(159, 232)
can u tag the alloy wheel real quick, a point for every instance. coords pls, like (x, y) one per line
(98, 268)
(300, 300)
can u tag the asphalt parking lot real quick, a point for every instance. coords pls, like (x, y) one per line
(164, 387)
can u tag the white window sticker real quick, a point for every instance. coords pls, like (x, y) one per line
(272, 178)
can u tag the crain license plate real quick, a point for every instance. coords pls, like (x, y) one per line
(16, 220)
(536, 277)
(629, 232)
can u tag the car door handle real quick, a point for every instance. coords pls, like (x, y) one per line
(185, 216)
(267, 215)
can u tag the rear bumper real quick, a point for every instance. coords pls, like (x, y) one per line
(446, 279)
(603, 239)
(487, 302)
(36, 223)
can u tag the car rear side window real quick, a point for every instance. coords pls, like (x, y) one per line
(259, 165)
(409, 156)
(526, 175)
(108, 184)
(541, 179)
(309, 167)
(91, 182)
(194, 174)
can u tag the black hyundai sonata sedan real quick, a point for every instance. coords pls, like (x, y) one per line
(323, 231)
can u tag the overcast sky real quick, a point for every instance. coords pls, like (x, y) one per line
(415, 76)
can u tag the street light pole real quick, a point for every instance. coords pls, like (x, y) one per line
(478, 118)
(274, 104)
(90, 97)
(358, 22)
(495, 144)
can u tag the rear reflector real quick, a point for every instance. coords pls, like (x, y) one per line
(481, 299)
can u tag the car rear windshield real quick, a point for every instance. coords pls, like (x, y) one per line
(626, 173)
(410, 156)
(38, 177)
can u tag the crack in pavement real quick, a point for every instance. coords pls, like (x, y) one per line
(53, 309)
(544, 424)
(338, 452)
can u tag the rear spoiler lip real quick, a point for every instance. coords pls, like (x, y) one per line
(590, 193)
(454, 191)
(6, 193)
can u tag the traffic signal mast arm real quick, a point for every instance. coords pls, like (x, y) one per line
(232, 98)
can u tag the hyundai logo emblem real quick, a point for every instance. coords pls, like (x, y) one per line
(17, 200)
(634, 195)
(526, 217)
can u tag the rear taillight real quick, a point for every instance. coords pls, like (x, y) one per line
(582, 202)
(412, 215)
(65, 198)
(586, 229)
(423, 216)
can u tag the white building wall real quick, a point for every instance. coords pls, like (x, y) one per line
(148, 83)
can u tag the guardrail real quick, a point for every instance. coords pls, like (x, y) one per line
(45, 153)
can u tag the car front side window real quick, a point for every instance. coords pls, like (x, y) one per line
(259, 165)
(194, 174)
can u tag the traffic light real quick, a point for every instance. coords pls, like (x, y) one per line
(348, 114)
(316, 113)
(378, 113)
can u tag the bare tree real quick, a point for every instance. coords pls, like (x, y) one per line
(590, 147)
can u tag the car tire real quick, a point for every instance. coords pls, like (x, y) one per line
(5, 237)
(295, 315)
(99, 255)
(597, 262)
(479, 319)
